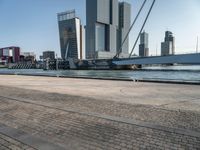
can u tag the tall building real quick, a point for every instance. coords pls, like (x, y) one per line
(70, 31)
(168, 46)
(49, 55)
(124, 25)
(107, 22)
(144, 45)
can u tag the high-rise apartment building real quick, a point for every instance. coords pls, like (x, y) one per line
(144, 45)
(168, 46)
(107, 22)
(70, 31)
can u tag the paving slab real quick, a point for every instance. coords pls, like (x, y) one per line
(96, 114)
(121, 91)
(27, 139)
(9, 143)
(81, 131)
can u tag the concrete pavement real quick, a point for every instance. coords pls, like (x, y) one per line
(97, 114)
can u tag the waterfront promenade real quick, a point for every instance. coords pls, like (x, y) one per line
(64, 113)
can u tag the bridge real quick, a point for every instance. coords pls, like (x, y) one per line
(170, 59)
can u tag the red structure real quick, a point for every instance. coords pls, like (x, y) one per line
(10, 54)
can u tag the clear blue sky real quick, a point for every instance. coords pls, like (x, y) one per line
(32, 24)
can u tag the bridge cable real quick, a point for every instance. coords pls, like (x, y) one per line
(120, 50)
(142, 28)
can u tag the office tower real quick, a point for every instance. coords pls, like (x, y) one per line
(49, 55)
(124, 25)
(144, 45)
(107, 22)
(168, 46)
(70, 35)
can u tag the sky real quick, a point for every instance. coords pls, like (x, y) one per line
(32, 24)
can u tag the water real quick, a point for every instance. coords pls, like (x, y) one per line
(171, 73)
(176, 68)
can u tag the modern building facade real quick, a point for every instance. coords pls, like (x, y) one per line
(144, 45)
(168, 46)
(70, 31)
(49, 55)
(107, 22)
(10, 54)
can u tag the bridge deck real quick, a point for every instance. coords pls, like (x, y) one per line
(171, 59)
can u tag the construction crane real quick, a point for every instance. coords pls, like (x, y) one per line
(131, 27)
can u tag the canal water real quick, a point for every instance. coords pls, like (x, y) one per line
(165, 73)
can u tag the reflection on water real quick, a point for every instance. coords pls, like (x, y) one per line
(185, 73)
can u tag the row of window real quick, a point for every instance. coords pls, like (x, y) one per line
(67, 16)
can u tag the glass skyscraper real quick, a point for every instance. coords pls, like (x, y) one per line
(168, 46)
(107, 23)
(70, 31)
(144, 45)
